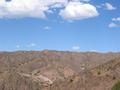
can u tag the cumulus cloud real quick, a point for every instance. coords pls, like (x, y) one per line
(116, 19)
(47, 28)
(109, 6)
(27, 8)
(78, 11)
(17, 46)
(85, 0)
(76, 48)
(32, 45)
(113, 25)
(39, 8)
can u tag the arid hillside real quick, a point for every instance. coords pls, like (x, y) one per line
(58, 70)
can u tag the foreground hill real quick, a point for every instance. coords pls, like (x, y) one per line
(55, 70)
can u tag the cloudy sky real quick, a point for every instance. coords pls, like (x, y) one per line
(77, 25)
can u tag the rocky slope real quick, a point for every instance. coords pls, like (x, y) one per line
(56, 70)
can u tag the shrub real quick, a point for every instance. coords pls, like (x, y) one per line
(116, 86)
(99, 73)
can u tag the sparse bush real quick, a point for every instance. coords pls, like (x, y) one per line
(71, 80)
(99, 73)
(113, 77)
(116, 86)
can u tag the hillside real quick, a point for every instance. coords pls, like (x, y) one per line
(58, 70)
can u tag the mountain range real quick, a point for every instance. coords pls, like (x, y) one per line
(58, 70)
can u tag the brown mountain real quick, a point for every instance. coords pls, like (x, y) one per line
(58, 70)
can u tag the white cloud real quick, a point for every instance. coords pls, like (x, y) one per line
(76, 48)
(78, 11)
(27, 8)
(39, 8)
(85, 0)
(99, 6)
(17, 46)
(116, 19)
(47, 28)
(32, 45)
(79, 0)
(109, 6)
(112, 25)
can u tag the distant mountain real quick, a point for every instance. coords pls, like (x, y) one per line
(58, 70)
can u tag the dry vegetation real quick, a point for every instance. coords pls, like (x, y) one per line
(53, 70)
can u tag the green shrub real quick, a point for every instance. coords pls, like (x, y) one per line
(116, 86)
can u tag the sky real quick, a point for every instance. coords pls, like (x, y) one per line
(67, 25)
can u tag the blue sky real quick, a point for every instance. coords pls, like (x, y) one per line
(94, 29)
